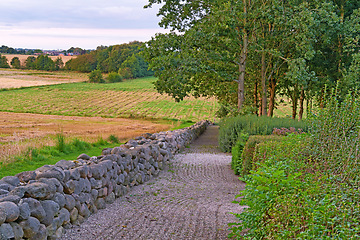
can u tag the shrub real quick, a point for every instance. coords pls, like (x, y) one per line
(336, 137)
(112, 138)
(60, 143)
(306, 186)
(236, 151)
(231, 128)
(243, 157)
(113, 77)
(96, 77)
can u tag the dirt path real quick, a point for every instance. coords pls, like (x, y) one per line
(190, 200)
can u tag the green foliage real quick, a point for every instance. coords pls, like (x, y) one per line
(306, 186)
(236, 151)
(112, 138)
(3, 62)
(48, 155)
(59, 64)
(44, 62)
(124, 58)
(82, 63)
(336, 137)
(96, 77)
(113, 77)
(30, 62)
(231, 128)
(245, 162)
(15, 63)
(60, 143)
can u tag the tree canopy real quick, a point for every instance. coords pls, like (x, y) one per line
(124, 58)
(246, 53)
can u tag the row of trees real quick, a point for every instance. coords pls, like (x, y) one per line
(247, 52)
(42, 62)
(10, 50)
(126, 59)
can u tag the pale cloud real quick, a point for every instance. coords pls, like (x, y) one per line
(83, 23)
(88, 38)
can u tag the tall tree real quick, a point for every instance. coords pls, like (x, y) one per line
(15, 62)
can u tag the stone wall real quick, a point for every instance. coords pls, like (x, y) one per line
(40, 204)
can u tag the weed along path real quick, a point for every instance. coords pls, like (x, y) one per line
(190, 199)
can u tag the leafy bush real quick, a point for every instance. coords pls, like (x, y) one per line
(114, 139)
(287, 199)
(306, 186)
(236, 151)
(96, 77)
(246, 160)
(231, 128)
(336, 137)
(113, 77)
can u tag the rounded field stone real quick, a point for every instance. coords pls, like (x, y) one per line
(30, 227)
(6, 231)
(12, 211)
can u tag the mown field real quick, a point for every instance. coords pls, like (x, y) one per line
(130, 99)
(16, 78)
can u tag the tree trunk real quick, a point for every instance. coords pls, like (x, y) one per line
(263, 86)
(241, 85)
(256, 104)
(294, 100)
(242, 64)
(302, 97)
(272, 86)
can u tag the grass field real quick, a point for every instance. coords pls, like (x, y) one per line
(130, 99)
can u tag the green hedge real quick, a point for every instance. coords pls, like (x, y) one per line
(231, 128)
(243, 152)
(289, 198)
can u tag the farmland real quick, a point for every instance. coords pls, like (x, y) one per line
(33, 116)
(129, 99)
(16, 78)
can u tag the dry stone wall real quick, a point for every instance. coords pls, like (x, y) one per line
(40, 204)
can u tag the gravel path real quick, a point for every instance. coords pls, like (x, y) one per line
(191, 199)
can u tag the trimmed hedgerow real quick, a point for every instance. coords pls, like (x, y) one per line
(243, 158)
(231, 128)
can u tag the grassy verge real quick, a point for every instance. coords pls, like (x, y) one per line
(34, 158)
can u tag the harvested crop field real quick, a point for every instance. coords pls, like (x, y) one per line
(15, 78)
(19, 131)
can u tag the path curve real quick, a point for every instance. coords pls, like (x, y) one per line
(191, 199)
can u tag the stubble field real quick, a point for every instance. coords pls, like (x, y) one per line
(17, 78)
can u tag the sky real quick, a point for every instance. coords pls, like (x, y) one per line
(61, 24)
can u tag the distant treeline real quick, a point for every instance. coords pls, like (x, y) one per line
(42, 62)
(126, 59)
(71, 51)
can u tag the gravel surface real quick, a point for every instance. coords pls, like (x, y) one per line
(191, 199)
